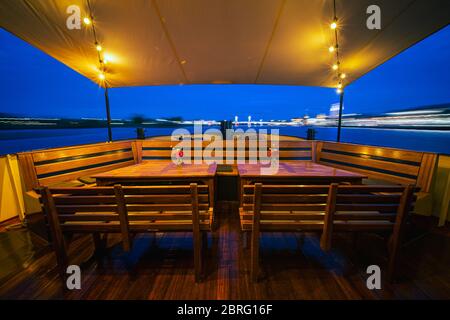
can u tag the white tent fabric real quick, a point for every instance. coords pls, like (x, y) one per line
(223, 41)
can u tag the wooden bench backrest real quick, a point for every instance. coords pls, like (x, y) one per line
(285, 207)
(368, 208)
(93, 206)
(324, 208)
(46, 167)
(288, 150)
(168, 206)
(126, 209)
(367, 204)
(88, 208)
(394, 165)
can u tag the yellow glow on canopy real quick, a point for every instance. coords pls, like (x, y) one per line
(109, 57)
(297, 55)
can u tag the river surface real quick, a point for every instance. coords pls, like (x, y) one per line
(13, 141)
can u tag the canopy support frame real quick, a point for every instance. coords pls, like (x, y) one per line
(108, 114)
(341, 102)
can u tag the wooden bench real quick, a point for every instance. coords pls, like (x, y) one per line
(325, 209)
(381, 164)
(73, 166)
(281, 208)
(287, 150)
(385, 165)
(368, 208)
(53, 166)
(127, 211)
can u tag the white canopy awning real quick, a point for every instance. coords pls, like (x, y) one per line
(223, 41)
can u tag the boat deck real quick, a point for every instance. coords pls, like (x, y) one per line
(160, 266)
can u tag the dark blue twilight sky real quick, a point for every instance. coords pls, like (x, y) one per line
(32, 83)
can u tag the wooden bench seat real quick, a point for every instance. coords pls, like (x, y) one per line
(127, 211)
(326, 209)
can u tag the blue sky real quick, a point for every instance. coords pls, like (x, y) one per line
(33, 83)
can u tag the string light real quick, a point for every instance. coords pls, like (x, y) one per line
(101, 59)
(334, 49)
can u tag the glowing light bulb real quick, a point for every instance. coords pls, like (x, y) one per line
(86, 20)
(98, 47)
(339, 86)
(333, 25)
(101, 76)
(109, 57)
(343, 75)
(339, 90)
(331, 49)
(335, 66)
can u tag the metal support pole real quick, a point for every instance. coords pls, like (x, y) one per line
(341, 101)
(108, 114)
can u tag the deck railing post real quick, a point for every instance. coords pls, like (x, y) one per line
(341, 101)
(108, 114)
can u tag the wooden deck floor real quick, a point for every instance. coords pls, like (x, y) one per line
(161, 267)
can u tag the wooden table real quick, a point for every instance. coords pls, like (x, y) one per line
(161, 171)
(297, 172)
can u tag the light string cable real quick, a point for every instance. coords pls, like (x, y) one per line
(101, 59)
(340, 76)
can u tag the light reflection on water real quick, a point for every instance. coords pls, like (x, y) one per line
(12, 141)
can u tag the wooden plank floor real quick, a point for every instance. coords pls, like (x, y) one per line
(293, 267)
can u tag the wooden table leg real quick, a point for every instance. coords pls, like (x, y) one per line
(210, 184)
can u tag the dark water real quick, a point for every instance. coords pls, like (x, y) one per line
(12, 141)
